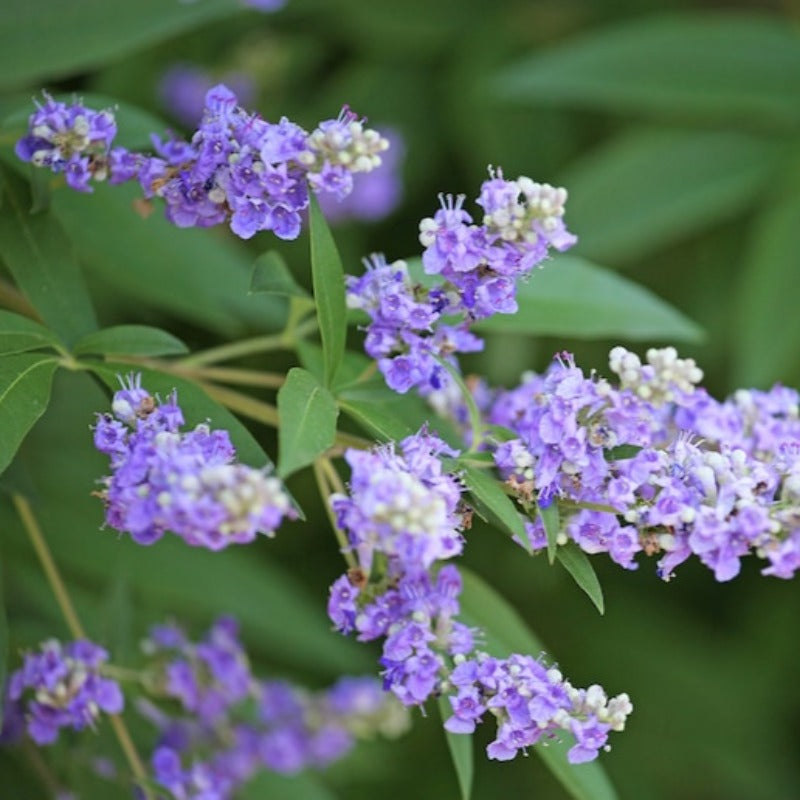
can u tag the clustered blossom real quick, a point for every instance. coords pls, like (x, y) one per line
(188, 482)
(62, 686)
(231, 724)
(477, 269)
(653, 465)
(237, 168)
(403, 518)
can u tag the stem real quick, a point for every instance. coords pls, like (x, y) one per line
(76, 629)
(475, 420)
(243, 377)
(323, 471)
(242, 403)
(12, 299)
(39, 766)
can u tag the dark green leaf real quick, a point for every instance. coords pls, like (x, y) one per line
(460, 747)
(271, 275)
(767, 326)
(3, 643)
(573, 297)
(138, 340)
(40, 258)
(192, 273)
(489, 495)
(25, 382)
(305, 786)
(719, 67)
(577, 563)
(506, 633)
(41, 39)
(552, 527)
(329, 295)
(648, 188)
(621, 452)
(353, 366)
(308, 415)
(380, 422)
(18, 334)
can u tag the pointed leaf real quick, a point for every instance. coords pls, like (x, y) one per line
(378, 421)
(25, 382)
(490, 497)
(572, 297)
(138, 340)
(271, 275)
(461, 751)
(18, 334)
(696, 66)
(40, 258)
(308, 415)
(506, 633)
(577, 563)
(329, 294)
(552, 527)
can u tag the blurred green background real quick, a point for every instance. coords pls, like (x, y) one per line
(675, 128)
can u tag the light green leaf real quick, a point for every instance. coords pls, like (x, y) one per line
(41, 39)
(138, 340)
(25, 382)
(767, 327)
(18, 334)
(461, 751)
(573, 297)
(552, 527)
(723, 67)
(577, 563)
(329, 294)
(271, 275)
(41, 260)
(649, 188)
(493, 502)
(380, 422)
(308, 416)
(506, 633)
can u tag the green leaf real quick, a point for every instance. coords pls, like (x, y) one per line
(506, 633)
(138, 340)
(271, 275)
(308, 415)
(329, 294)
(767, 326)
(377, 420)
(194, 274)
(573, 297)
(25, 382)
(40, 258)
(41, 39)
(304, 786)
(3, 643)
(649, 188)
(18, 334)
(490, 497)
(577, 563)
(723, 67)
(552, 527)
(461, 751)
(621, 452)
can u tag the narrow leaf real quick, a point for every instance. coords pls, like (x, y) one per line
(461, 751)
(308, 415)
(378, 421)
(25, 382)
(573, 297)
(487, 491)
(695, 66)
(40, 258)
(552, 527)
(138, 340)
(506, 633)
(18, 334)
(577, 563)
(271, 275)
(621, 452)
(329, 294)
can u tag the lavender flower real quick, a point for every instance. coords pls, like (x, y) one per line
(185, 482)
(61, 686)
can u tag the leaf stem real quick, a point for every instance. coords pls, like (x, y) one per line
(64, 601)
(12, 299)
(475, 419)
(327, 480)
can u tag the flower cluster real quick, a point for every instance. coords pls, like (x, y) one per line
(403, 517)
(477, 269)
(236, 168)
(185, 482)
(654, 464)
(247, 724)
(62, 686)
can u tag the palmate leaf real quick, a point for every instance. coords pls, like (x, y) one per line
(506, 633)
